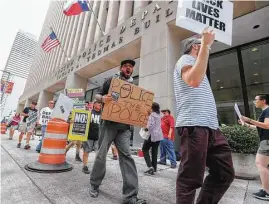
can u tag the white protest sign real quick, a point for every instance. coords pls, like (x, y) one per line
(236, 108)
(31, 120)
(45, 115)
(196, 15)
(63, 107)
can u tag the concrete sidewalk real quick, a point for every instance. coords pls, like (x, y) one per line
(21, 186)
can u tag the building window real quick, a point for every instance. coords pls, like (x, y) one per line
(256, 61)
(90, 94)
(226, 85)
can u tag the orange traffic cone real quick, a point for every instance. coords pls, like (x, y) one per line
(3, 128)
(52, 156)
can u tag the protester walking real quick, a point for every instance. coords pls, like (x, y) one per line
(202, 143)
(167, 144)
(24, 128)
(262, 157)
(72, 143)
(119, 134)
(45, 116)
(14, 124)
(92, 143)
(155, 135)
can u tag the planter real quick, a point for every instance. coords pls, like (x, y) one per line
(245, 167)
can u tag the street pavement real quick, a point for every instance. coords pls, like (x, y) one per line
(19, 186)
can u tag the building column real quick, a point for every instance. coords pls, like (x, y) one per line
(85, 28)
(93, 22)
(78, 34)
(138, 5)
(126, 9)
(20, 108)
(27, 103)
(162, 55)
(67, 41)
(75, 81)
(72, 37)
(102, 16)
(112, 16)
(43, 99)
(59, 34)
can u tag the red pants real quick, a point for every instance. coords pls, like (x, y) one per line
(201, 147)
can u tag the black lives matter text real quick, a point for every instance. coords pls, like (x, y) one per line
(207, 12)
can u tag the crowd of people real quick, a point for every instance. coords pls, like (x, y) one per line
(202, 143)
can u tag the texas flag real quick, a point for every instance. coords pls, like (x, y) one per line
(75, 7)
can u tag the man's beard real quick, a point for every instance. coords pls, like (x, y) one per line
(126, 76)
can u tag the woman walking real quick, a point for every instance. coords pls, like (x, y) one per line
(155, 136)
(262, 157)
(14, 125)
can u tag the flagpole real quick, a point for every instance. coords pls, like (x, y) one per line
(95, 17)
(65, 54)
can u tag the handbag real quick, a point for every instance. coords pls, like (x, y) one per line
(144, 134)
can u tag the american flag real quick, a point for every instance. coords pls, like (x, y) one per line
(50, 42)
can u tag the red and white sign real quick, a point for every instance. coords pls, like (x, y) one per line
(6, 87)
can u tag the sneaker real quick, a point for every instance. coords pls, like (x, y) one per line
(38, 150)
(78, 158)
(85, 170)
(262, 195)
(174, 166)
(136, 201)
(178, 158)
(10, 138)
(161, 163)
(150, 171)
(27, 146)
(19, 145)
(94, 191)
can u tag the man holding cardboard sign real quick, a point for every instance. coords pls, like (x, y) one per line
(120, 134)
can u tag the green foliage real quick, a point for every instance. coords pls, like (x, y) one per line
(241, 139)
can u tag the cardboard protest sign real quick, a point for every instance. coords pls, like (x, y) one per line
(31, 120)
(80, 127)
(130, 104)
(196, 15)
(63, 107)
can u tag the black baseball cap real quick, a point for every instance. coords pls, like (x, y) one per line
(188, 44)
(166, 110)
(130, 61)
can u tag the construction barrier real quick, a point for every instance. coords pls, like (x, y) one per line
(3, 128)
(52, 157)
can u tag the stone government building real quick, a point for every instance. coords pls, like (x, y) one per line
(146, 32)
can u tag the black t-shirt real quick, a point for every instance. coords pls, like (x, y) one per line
(263, 133)
(104, 91)
(29, 111)
(94, 125)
